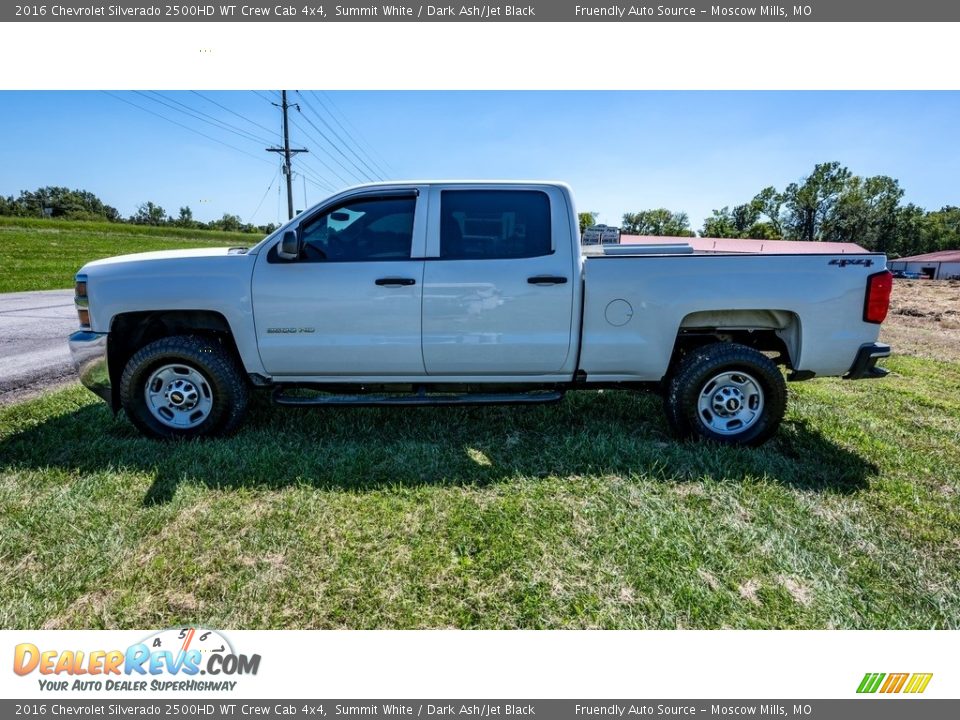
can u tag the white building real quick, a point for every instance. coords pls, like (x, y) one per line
(942, 265)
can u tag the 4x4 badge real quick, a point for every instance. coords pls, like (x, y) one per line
(843, 262)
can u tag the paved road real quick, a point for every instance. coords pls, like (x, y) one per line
(33, 341)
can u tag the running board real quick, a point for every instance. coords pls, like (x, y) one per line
(421, 399)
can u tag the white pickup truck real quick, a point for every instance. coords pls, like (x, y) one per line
(437, 293)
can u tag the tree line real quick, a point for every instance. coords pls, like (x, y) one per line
(830, 204)
(66, 204)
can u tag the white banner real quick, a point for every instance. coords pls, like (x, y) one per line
(487, 664)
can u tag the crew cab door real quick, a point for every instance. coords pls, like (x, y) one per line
(499, 282)
(350, 304)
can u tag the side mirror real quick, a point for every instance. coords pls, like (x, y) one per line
(289, 247)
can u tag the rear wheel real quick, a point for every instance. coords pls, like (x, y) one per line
(183, 387)
(728, 393)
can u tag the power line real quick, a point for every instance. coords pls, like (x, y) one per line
(200, 115)
(380, 162)
(311, 174)
(314, 176)
(262, 96)
(320, 159)
(232, 112)
(343, 142)
(360, 173)
(288, 153)
(187, 127)
(267, 192)
(360, 176)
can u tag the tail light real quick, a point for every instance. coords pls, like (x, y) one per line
(877, 302)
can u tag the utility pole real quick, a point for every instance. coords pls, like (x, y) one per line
(287, 151)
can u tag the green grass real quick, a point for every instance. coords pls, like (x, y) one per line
(40, 254)
(583, 514)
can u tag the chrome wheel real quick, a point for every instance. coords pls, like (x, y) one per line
(730, 402)
(179, 396)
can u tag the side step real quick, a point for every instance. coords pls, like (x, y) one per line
(419, 399)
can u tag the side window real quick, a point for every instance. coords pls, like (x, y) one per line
(370, 228)
(489, 224)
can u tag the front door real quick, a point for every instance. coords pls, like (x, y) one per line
(350, 304)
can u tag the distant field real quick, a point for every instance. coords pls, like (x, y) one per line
(45, 254)
(924, 319)
(581, 515)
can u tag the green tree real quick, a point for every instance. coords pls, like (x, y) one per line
(660, 222)
(719, 225)
(811, 202)
(866, 212)
(231, 223)
(911, 234)
(7, 205)
(149, 214)
(586, 220)
(834, 204)
(741, 222)
(185, 218)
(942, 229)
(60, 202)
(769, 204)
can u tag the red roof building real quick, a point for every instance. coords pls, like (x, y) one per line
(941, 256)
(941, 265)
(737, 245)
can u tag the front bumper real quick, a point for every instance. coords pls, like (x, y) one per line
(89, 352)
(865, 364)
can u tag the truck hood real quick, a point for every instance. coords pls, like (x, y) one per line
(166, 255)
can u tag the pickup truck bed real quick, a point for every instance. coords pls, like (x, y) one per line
(636, 306)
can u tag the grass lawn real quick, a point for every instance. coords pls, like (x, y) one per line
(40, 254)
(583, 514)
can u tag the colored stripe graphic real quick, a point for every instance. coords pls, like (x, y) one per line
(918, 683)
(870, 682)
(894, 683)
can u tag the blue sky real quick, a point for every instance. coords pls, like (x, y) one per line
(621, 151)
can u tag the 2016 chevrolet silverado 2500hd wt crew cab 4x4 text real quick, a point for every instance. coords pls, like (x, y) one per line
(468, 292)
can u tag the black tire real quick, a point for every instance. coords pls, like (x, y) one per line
(694, 395)
(226, 388)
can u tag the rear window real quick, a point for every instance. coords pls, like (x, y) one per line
(492, 224)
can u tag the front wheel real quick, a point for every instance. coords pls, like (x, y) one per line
(728, 393)
(183, 387)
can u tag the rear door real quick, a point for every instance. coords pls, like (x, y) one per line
(498, 283)
(350, 305)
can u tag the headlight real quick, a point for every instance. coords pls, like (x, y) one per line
(81, 300)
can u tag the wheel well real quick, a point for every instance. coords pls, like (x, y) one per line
(131, 331)
(768, 331)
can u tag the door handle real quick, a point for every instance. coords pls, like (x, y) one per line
(395, 281)
(547, 280)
